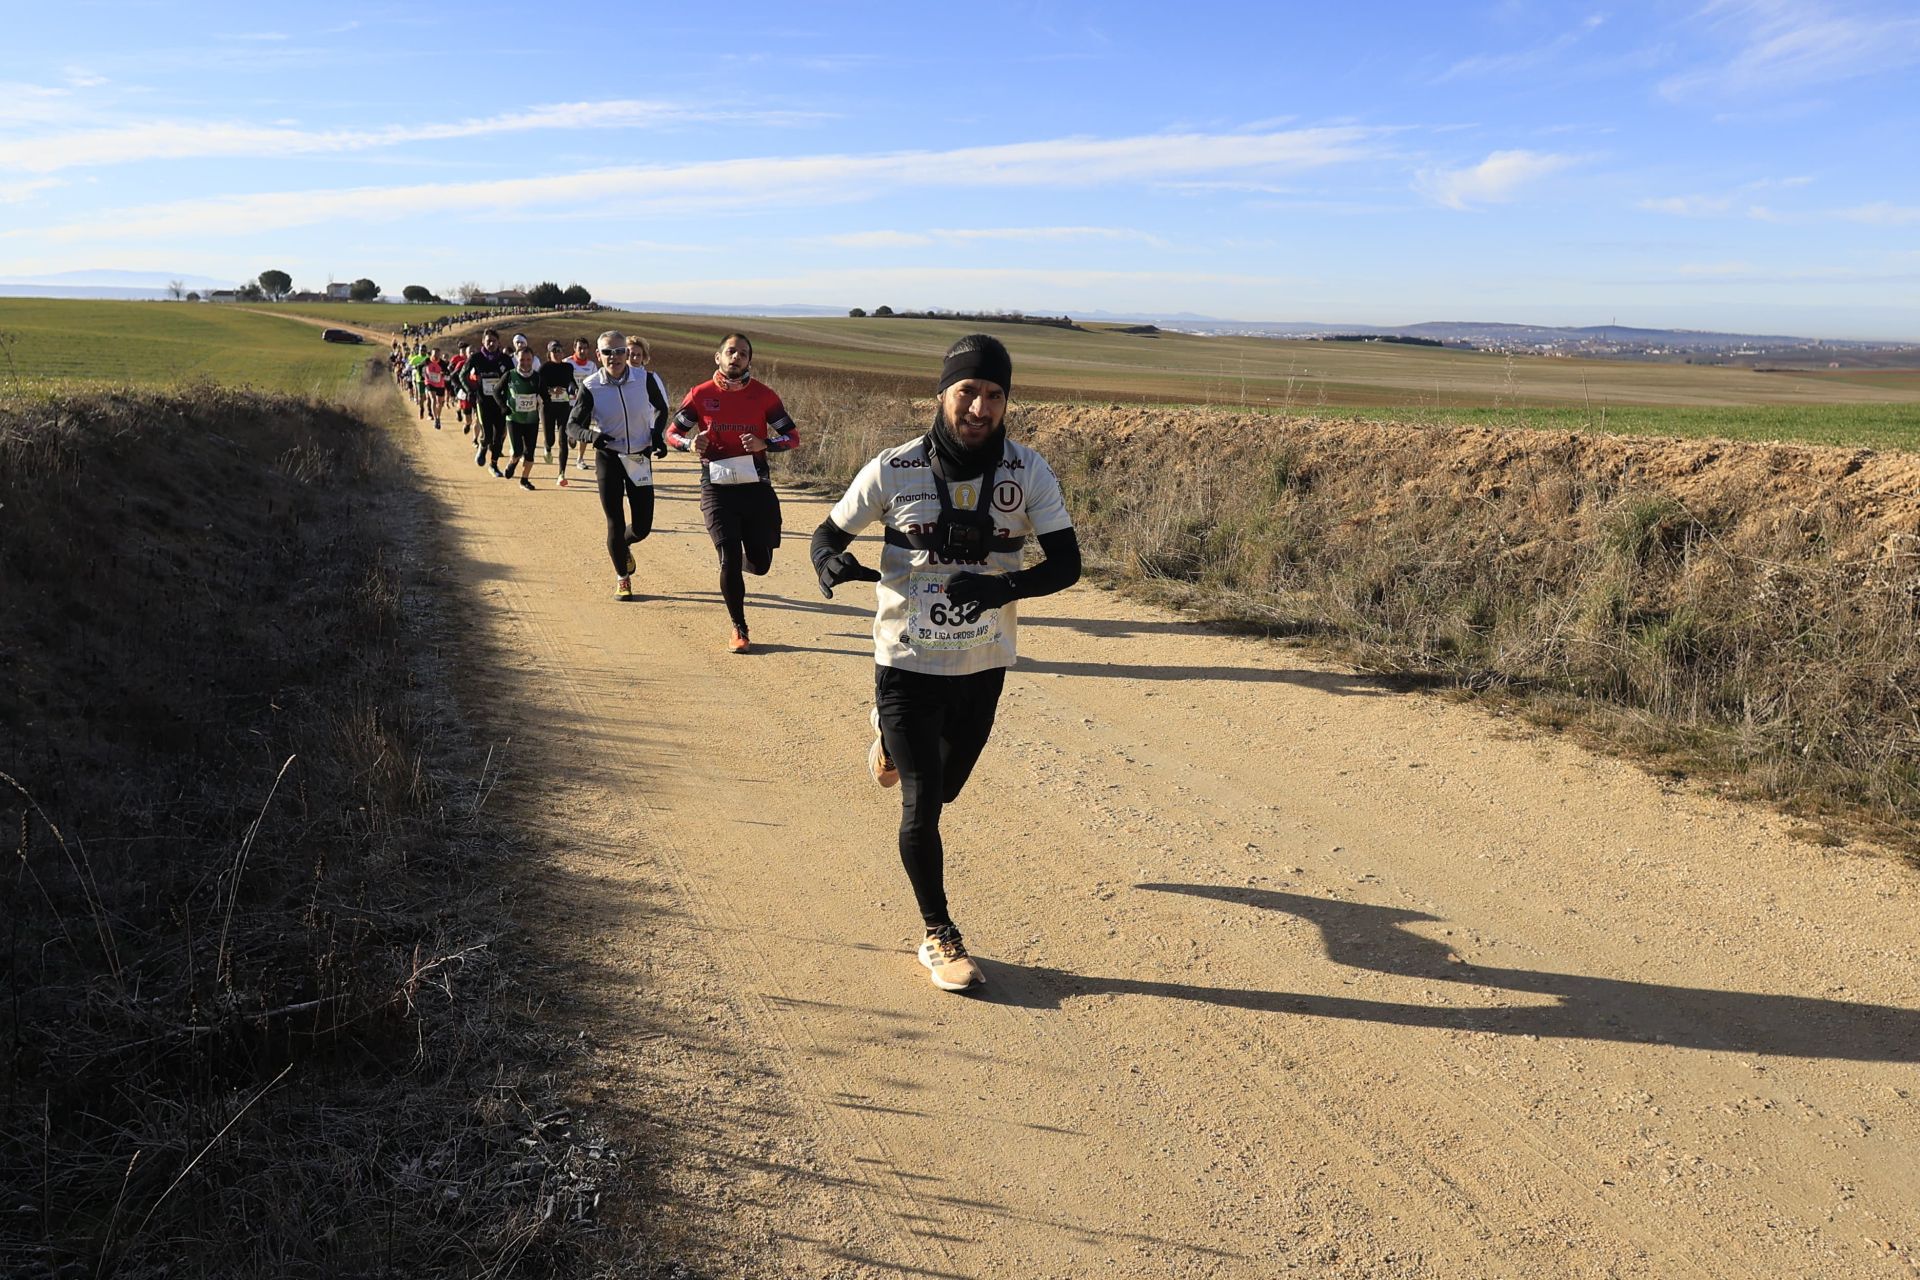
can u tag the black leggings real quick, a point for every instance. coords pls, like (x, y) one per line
(493, 429)
(555, 415)
(617, 493)
(525, 434)
(935, 728)
(744, 523)
(736, 560)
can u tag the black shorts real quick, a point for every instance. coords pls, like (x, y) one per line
(745, 513)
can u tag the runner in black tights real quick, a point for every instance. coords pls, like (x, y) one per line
(483, 372)
(619, 412)
(958, 505)
(732, 422)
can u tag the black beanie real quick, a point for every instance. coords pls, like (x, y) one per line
(978, 355)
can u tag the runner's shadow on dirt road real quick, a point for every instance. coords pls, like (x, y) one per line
(1586, 1008)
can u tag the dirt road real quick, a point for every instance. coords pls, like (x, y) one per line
(1289, 973)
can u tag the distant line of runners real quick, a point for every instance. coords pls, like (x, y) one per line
(957, 506)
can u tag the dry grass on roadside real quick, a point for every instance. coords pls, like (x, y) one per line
(255, 1010)
(1746, 612)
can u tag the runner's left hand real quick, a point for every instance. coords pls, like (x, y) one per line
(988, 590)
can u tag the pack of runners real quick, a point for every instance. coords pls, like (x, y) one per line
(958, 506)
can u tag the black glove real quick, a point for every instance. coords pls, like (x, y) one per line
(988, 590)
(601, 440)
(841, 567)
(659, 445)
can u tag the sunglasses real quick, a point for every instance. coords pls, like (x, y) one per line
(613, 351)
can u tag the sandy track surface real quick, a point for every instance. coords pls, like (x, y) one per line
(1289, 973)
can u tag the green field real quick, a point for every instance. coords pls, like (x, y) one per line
(1260, 372)
(60, 344)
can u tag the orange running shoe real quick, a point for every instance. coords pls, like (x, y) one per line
(739, 643)
(879, 763)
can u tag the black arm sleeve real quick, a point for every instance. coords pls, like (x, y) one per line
(1060, 570)
(580, 420)
(830, 540)
(660, 411)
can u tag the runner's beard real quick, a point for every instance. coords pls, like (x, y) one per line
(960, 461)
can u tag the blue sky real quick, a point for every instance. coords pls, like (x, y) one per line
(1728, 164)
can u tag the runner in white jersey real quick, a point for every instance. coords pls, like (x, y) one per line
(957, 506)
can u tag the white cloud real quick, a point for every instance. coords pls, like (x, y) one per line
(182, 139)
(880, 240)
(33, 103)
(1490, 64)
(1793, 44)
(1882, 214)
(746, 183)
(1495, 180)
(15, 192)
(1689, 206)
(962, 236)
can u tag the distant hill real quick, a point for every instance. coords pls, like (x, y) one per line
(130, 285)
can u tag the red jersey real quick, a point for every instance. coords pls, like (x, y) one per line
(732, 416)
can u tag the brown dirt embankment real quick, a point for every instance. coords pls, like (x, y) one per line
(1747, 611)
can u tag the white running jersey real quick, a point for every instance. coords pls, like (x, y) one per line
(914, 627)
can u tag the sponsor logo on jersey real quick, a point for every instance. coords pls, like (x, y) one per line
(1008, 495)
(909, 462)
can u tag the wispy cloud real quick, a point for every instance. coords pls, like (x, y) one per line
(962, 236)
(1882, 214)
(28, 104)
(1495, 180)
(1495, 64)
(750, 183)
(1689, 206)
(185, 139)
(1738, 200)
(1795, 44)
(15, 192)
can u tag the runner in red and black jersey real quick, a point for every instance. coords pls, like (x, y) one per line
(732, 422)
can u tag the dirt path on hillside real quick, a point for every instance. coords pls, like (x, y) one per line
(1289, 973)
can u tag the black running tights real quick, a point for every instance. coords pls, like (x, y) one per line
(737, 559)
(617, 493)
(935, 728)
(493, 429)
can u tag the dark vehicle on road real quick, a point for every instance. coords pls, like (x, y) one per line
(340, 335)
